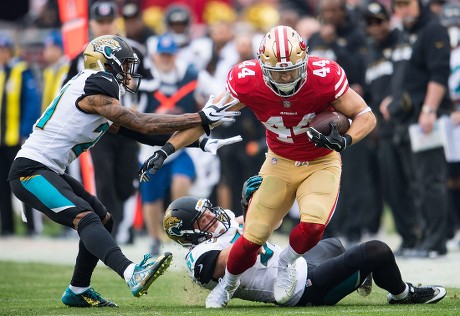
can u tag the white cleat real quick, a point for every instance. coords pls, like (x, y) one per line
(220, 295)
(285, 283)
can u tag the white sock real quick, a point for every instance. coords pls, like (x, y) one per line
(78, 290)
(288, 256)
(401, 295)
(129, 271)
(231, 279)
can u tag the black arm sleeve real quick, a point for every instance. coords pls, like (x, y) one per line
(205, 266)
(149, 139)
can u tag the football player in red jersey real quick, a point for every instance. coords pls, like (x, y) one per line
(284, 88)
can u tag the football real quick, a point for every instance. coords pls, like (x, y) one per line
(322, 119)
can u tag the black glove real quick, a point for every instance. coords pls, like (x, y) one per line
(155, 162)
(333, 141)
(249, 187)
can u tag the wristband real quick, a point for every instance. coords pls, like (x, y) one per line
(348, 140)
(205, 122)
(428, 109)
(168, 149)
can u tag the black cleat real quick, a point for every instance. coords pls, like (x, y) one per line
(420, 295)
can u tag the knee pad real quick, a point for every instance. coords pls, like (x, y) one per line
(257, 233)
(305, 236)
(109, 224)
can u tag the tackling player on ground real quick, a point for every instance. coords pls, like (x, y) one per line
(85, 108)
(284, 88)
(325, 274)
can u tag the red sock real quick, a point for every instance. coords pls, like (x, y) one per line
(242, 256)
(305, 236)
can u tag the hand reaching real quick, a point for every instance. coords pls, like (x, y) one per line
(212, 145)
(215, 113)
(249, 187)
(151, 165)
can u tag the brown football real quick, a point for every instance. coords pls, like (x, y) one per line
(322, 119)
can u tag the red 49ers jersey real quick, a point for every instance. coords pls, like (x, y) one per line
(286, 118)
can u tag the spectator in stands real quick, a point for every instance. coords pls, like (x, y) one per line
(135, 28)
(419, 95)
(378, 73)
(57, 66)
(450, 18)
(20, 108)
(175, 95)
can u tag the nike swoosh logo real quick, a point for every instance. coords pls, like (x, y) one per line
(200, 268)
(109, 79)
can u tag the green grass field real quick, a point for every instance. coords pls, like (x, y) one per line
(35, 289)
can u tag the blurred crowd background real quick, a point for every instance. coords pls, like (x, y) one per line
(186, 49)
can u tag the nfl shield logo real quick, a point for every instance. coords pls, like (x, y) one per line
(286, 104)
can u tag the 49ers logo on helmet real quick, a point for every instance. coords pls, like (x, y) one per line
(302, 44)
(262, 46)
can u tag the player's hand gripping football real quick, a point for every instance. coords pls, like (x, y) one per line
(215, 114)
(333, 141)
(212, 145)
(152, 165)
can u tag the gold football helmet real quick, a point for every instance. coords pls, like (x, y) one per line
(113, 54)
(283, 59)
(182, 221)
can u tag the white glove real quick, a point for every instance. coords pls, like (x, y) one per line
(215, 113)
(212, 145)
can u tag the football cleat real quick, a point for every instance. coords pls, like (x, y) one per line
(366, 287)
(420, 295)
(221, 295)
(285, 283)
(89, 298)
(146, 273)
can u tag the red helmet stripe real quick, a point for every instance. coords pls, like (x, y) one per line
(286, 44)
(282, 44)
(277, 43)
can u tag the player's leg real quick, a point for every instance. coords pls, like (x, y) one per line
(52, 195)
(336, 278)
(270, 203)
(317, 192)
(86, 261)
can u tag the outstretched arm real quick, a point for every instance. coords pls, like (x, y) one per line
(152, 123)
(111, 109)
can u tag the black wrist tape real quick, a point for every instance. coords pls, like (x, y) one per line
(348, 140)
(203, 143)
(168, 148)
(205, 122)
